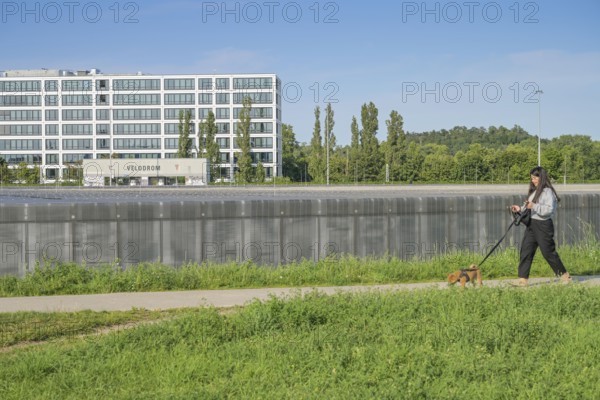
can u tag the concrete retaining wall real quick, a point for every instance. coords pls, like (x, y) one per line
(269, 232)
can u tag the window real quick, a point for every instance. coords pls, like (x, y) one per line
(255, 112)
(21, 115)
(205, 83)
(51, 115)
(20, 144)
(261, 142)
(102, 115)
(20, 100)
(137, 129)
(173, 113)
(223, 143)
(20, 86)
(51, 100)
(205, 98)
(102, 100)
(77, 100)
(52, 130)
(222, 83)
(76, 85)
(102, 144)
(222, 127)
(77, 115)
(180, 98)
(51, 158)
(222, 113)
(51, 86)
(203, 113)
(136, 99)
(73, 158)
(173, 129)
(77, 144)
(140, 114)
(101, 84)
(134, 85)
(172, 143)
(102, 129)
(222, 98)
(78, 129)
(253, 83)
(255, 97)
(20, 130)
(179, 84)
(257, 127)
(51, 144)
(138, 144)
(262, 157)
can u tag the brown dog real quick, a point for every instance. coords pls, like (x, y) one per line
(466, 275)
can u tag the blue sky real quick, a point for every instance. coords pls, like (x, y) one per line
(439, 64)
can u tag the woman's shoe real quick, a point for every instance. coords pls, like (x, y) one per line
(565, 278)
(521, 282)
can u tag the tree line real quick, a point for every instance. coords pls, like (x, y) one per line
(458, 155)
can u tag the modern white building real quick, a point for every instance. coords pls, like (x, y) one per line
(54, 118)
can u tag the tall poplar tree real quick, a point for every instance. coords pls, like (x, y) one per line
(184, 149)
(244, 159)
(316, 163)
(370, 157)
(207, 135)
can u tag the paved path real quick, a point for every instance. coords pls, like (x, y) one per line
(216, 298)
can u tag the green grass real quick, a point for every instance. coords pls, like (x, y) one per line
(80, 279)
(489, 343)
(31, 327)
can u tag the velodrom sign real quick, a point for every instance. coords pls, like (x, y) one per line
(94, 171)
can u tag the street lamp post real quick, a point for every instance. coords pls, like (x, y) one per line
(539, 93)
(327, 141)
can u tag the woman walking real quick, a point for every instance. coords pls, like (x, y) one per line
(542, 201)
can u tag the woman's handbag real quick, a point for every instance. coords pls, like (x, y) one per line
(523, 217)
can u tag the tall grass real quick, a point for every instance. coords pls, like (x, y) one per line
(539, 343)
(80, 279)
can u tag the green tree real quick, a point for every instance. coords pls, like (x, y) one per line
(184, 149)
(394, 147)
(316, 164)
(292, 155)
(244, 159)
(207, 142)
(411, 169)
(5, 173)
(354, 153)
(438, 164)
(260, 172)
(330, 141)
(370, 161)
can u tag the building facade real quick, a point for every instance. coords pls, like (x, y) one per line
(53, 119)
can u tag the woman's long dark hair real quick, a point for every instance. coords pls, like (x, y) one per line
(544, 183)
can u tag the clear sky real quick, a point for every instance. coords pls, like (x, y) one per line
(438, 63)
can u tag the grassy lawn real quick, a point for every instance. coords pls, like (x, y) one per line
(81, 279)
(493, 343)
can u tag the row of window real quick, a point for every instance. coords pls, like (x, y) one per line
(86, 144)
(129, 114)
(123, 129)
(74, 85)
(70, 158)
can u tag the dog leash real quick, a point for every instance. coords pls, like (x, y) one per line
(513, 223)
